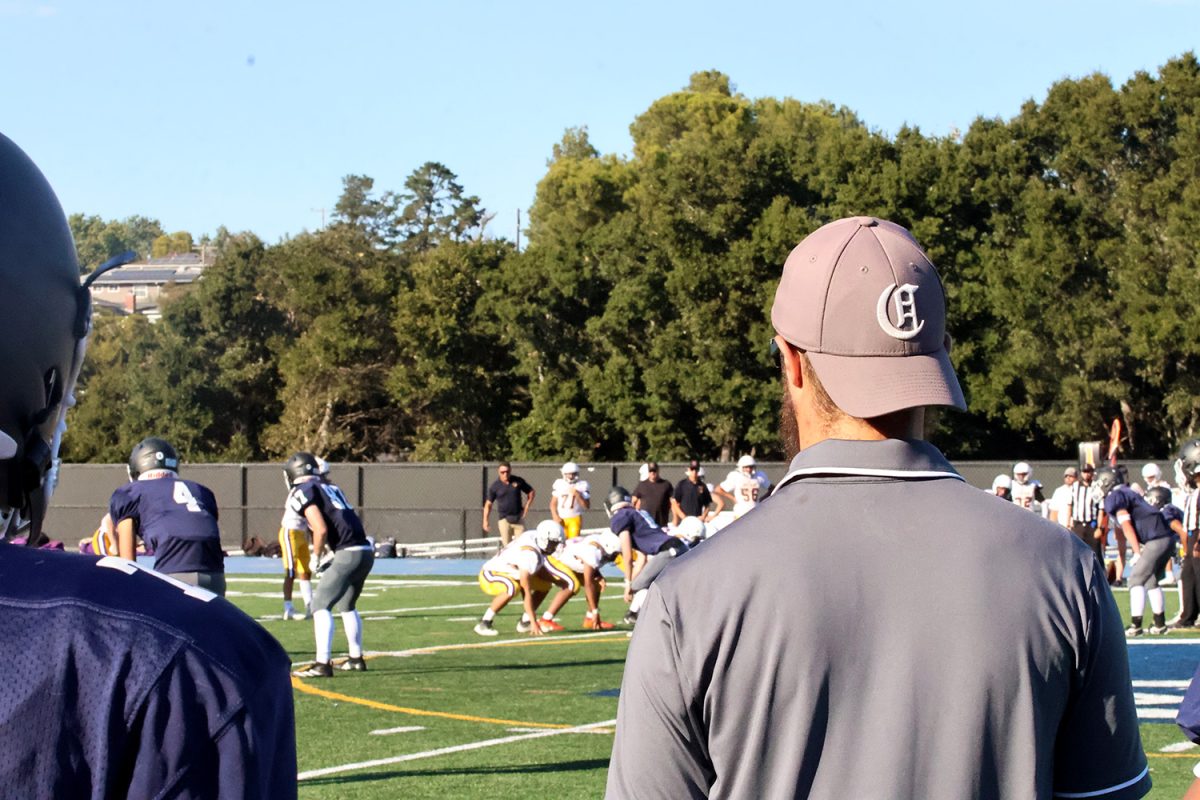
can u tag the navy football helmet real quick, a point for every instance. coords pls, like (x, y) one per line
(618, 496)
(45, 319)
(1187, 465)
(301, 465)
(1107, 479)
(151, 454)
(1158, 496)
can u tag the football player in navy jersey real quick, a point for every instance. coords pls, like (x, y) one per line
(177, 519)
(119, 682)
(639, 531)
(341, 555)
(1153, 538)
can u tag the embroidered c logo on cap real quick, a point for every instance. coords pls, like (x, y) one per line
(906, 311)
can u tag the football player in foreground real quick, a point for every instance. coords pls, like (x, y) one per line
(120, 682)
(341, 555)
(176, 518)
(525, 568)
(1152, 537)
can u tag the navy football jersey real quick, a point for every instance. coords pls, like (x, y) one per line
(646, 534)
(1147, 520)
(123, 683)
(345, 529)
(177, 519)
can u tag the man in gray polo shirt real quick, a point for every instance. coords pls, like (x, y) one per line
(916, 669)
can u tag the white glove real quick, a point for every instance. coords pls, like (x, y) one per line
(1134, 559)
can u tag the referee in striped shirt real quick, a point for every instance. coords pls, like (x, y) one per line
(1085, 509)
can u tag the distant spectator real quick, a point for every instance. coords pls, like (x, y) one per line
(569, 498)
(1063, 498)
(1002, 487)
(692, 497)
(1027, 492)
(653, 495)
(512, 496)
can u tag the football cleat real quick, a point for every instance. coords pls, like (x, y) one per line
(353, 664)
(289, 613)
(319, 669)
(1158, 630)
(596, 624)
(486, 629)
(523, 626)
(1132, 631)
(630, 618)
(549, 625)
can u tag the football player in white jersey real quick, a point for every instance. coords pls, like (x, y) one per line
(569, 498)
(584, 556)
(295, 555)
(525, 567)
(745, 486)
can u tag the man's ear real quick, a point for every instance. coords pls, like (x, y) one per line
(789, 363)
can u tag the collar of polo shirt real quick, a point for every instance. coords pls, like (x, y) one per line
(890, 458)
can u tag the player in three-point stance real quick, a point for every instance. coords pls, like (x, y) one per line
(525, 567)
(176, 518)
(341, 554)
(584, 556)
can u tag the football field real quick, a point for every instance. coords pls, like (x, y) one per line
(444, 713)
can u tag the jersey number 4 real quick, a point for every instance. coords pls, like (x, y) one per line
(183, 496)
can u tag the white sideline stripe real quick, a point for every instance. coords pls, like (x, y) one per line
(1177, 747)
(1142, 642)
(389, 583)
(442, 751)
(1161, 684)
(401, 729)
(600, 731)
(1156, 713)
(1148, 699)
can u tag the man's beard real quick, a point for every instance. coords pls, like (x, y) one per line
(789, 431)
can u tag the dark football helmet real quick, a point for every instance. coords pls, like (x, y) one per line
(1187, 465)
(1158, 496)
(301, 465)
(45, 318)
(1107, 479)
(150, 454)
(618, 496)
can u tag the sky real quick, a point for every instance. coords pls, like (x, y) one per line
(248, 114)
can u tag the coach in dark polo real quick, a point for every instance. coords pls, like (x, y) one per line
(512, 496)
(917, 668)
(692, 497)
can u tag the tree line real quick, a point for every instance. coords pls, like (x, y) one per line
(635, 322)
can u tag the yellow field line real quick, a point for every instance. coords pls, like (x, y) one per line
(301, 686)
(1192, 756)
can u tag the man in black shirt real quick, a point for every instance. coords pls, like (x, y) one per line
(692, 497)
(506, 493)
(653, 496)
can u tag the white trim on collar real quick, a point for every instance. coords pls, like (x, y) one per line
(912, 474)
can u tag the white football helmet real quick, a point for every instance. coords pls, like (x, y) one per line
(691, 529)
(1151, 472)
(548, 536)
(747, 461)
(322, 468)
(570, 468)
(609, 542)
(1002, 482)
(1022, 468)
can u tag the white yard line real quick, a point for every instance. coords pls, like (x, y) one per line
(442, 751)
(401, 729)
(1161, 684)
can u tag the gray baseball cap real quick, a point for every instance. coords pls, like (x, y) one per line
(862, 299)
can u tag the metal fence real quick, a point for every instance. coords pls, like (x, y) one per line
(409, 502)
